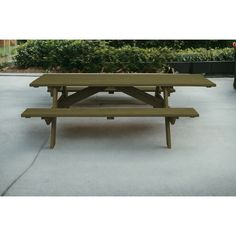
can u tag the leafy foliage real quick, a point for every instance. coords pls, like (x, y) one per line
(175, 44)
(89, 56)
(100, 56)
(202, 54)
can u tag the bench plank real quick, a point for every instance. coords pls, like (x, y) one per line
(109, 112)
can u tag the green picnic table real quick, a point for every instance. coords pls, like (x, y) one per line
(75, 87)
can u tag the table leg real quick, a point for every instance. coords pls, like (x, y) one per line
(168, 136)
(54, 120)
(53, 133)
(167, 120)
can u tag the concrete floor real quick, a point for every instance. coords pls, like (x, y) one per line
(125, 156)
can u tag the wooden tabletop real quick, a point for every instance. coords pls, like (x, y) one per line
(121, 79)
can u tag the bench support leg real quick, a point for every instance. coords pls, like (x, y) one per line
(168, 136)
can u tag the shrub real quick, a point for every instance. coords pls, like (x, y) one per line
(4, 64)
(99, 56)
(89, 56)
(175, 44)
(202, 54)
(48, 54)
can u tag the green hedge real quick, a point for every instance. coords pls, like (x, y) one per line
(61, 54)
(89, 56)
(175, 44)
(202, 54)
(100, 56)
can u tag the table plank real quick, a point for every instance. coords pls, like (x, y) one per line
(121, 79)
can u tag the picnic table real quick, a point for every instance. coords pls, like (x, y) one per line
(75, 87)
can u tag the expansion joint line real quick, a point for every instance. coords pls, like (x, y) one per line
(30, 165)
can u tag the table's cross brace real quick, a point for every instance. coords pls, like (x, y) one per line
(143, 96)
(67, 101)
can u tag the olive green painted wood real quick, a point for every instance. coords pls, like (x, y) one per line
(53, 133)
(157, 91)
(54, 120)
(110, 112)
(68, 100)
(54, 97)
(133, 84)
(64, 91)
(108, 89)
(165, 92)
(167, 121)
(121, 79)
(141, 95)
(168, 135)
(78, 96)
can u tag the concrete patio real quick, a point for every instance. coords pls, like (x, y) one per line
(121, 157)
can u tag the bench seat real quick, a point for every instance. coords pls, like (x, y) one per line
(110, 112)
